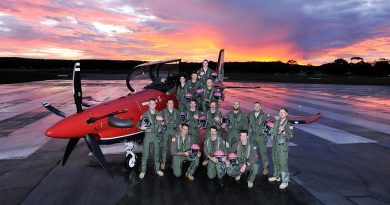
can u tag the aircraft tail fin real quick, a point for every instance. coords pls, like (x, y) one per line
(220, 70)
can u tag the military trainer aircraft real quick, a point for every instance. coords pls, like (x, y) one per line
(115, 121)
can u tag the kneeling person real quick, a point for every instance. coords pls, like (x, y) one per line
(180, 150)
(212, 144)
(247, 160)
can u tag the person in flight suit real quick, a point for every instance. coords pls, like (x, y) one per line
(214, 116)
(180, 92)
(192, 116)
(180, 146)
(247, 160)
(283, 131)
(151, 137)
(207, 95)
(256, 120)
(193, 85)
(204, 73)
(211, 144)
(237, 121)
(171, 121)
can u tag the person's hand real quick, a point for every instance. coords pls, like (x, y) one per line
(271, 124)
(242, 169)
(163, 122)
(223, 125)
(196, 116)
(199, 154)
(217, 119)
(159, 118)
(227, 163)
(187, 153)
(143, 128)
(214, 160)
(281, 129)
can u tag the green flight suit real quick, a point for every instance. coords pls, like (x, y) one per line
(211, 119)
(172, 120)
(206, 75)
(245, 154)
(214, 169)
(257, 136)
(238, 122)
(191, 88)
(180, 145)
(151, 136)
(207, 96)
(180, 92)
(193, 123)
(280, 150)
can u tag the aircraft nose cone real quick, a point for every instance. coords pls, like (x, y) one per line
(74, 126)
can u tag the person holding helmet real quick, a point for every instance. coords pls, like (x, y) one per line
(212, 144)
(247, 160)
(171, 121)
(236, 121)
(182, 150)
(207, 95)
(283, 131)
(191, 118)
(214, 116)
(154, 119)
(193, 84)
(256, 120)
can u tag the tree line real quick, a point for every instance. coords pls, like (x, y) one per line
(356, 66)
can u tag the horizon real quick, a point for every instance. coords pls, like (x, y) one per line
(308, 32)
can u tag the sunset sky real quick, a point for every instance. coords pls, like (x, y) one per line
(309, 31)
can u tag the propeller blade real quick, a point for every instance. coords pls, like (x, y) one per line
(77, 92)
(97, 153)
(69, 148)
(54, 110)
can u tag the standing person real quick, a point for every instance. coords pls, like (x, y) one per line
(192, 116)
(180, 92)
(237, 121)
(204, 73)
(256, 132)
(213, 143)
(214, 116)
(283, 131)
(151, 136)
(180, 146)
(193, 84)
(172, 122)
(207, 95)
(247, 160)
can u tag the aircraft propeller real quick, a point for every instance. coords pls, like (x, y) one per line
(89, 139)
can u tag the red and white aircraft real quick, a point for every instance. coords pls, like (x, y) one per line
(115, 121)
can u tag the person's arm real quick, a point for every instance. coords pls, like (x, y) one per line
(206, 150)
(287, 132)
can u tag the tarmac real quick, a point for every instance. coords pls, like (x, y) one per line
(340, 159)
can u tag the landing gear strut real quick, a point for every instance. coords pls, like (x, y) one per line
(130, 156)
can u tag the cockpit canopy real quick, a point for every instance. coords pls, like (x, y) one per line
(158, 75)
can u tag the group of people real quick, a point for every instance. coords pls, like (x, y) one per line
(246, 137)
